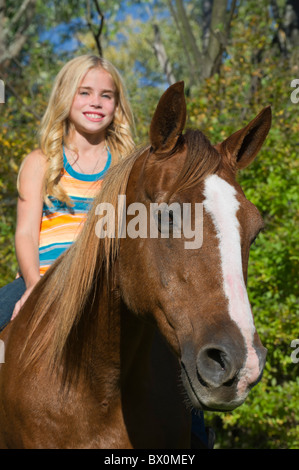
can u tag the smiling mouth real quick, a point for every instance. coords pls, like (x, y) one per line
(95, 117)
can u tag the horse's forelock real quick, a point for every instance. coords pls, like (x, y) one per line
(202, 160)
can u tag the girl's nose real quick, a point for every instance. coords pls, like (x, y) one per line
(96, 104)
(96, 101)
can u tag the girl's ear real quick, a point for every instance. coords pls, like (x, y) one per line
(242, 147)
(169, 119)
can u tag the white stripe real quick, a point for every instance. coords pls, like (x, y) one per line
(222, 205)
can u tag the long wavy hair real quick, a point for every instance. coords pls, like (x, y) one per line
(55, 125)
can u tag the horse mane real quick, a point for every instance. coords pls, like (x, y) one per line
(68, 287)
(65, 295)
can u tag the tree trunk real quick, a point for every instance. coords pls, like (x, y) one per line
(219, 31)
(188, 34)
(207, 7)
(291, 26)
(216, 29)
(287, 33)
(291, 22)
(193, 74)
(162, 56)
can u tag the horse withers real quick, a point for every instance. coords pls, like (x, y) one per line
(125, 334)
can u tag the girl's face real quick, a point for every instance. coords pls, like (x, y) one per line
(94, 104)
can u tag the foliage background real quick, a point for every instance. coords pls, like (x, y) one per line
(254, 72)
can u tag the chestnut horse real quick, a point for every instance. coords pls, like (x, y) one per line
(125, 334)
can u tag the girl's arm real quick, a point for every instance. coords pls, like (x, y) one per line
(29, 214)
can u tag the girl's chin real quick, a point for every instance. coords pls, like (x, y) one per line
(90, 130)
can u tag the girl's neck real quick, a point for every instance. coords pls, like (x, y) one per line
(85, 156)
(86, 144)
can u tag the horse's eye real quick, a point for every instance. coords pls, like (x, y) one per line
(169, 223)
(165, 221)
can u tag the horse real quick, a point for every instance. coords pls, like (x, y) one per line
(124, 335)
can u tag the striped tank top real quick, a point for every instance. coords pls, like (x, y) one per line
(60, 223)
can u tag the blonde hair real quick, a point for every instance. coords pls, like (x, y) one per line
(56, 126)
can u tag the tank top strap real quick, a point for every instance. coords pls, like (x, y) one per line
(83, 176)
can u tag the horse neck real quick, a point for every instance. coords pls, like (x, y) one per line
(122, 344)
(135, 345)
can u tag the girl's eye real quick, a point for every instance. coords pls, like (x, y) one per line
(83, 93)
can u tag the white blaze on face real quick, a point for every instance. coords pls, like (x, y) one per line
(222, 205)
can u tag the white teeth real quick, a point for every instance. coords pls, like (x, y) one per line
(93, 116)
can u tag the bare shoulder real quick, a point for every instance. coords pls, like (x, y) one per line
(36, 158)
(32, 172)
(34, 164)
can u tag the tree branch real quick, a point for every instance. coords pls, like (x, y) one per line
(21, 11)
(218, 38)
(97, 34)
(11, 49)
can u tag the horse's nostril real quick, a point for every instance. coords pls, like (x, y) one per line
(217, 356)
(230, 382)
(215, 366)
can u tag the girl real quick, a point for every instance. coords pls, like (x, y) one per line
(87, 127)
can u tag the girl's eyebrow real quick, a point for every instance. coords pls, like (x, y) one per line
(90, 88)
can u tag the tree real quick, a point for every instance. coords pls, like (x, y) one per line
(287, 33)
(15, 24)
(204, 59)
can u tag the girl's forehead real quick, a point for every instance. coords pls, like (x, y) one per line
(98, 78)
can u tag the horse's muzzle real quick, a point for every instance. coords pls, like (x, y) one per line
(219, 378)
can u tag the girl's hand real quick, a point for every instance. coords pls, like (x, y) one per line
(21, 302)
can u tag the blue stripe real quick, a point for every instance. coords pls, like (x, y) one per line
(83, 176)
(50, 253)
(53, 246)
(79, 205)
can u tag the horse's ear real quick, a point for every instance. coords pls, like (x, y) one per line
(169, 119)
(243, 146)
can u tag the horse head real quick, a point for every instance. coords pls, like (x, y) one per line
(196, 293)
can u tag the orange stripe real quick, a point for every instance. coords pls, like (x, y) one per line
(79, 188)
(64, 234)
(43, 269)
